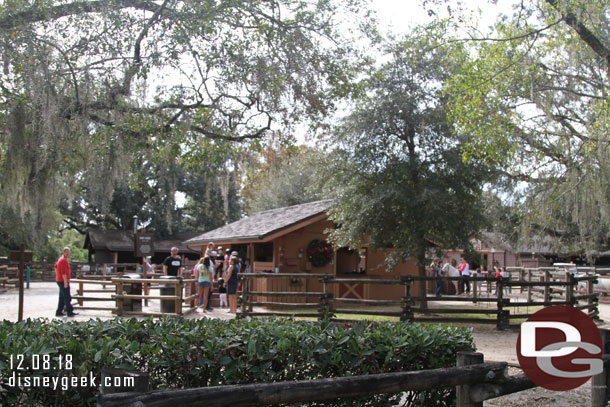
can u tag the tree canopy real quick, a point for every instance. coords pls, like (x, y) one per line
(283, 176)
(399, 176)
(92, 91)
(534, 95)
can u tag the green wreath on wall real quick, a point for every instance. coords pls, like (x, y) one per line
(319, 252)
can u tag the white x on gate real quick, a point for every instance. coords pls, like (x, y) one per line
(351, 289)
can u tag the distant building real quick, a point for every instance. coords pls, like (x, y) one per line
(117, 246)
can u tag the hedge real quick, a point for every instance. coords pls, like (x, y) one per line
(180, 353)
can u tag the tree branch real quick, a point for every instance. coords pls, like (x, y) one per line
(36, 14)
(584, 33)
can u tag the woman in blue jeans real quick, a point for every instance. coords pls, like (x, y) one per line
(204, 279)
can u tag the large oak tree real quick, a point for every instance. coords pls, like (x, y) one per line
(91, 91)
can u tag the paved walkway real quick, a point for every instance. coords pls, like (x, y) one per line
(40, 301)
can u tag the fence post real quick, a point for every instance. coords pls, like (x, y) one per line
(547, 289)
(407, 312)
(590, 298)
(521, 278)
(529, 288)
(502, 316)
(178, 294)
(474, 288)
(80, 292)
(245, 289)
(119, 299)
(326, 299)
(463, 392)
(599, 383)
(570, 299)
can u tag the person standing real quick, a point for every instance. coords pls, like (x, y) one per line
(222, 292)
(464, 270)
(172, 265)
(150, 269)
(437, 272)
(204, 279)
(220, 261)
(232, 282)
(62, 278)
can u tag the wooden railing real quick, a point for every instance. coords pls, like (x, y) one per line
(475, 382)
(409, 307)
(128, 294)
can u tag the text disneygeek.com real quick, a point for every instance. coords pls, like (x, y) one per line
(22, 364)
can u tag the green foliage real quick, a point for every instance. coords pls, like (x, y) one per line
(53, 248)
(283, 174)
(96, 91)
(399, 176)
(533, 94)
(195, 353)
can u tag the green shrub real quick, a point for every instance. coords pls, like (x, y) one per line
(181, 353)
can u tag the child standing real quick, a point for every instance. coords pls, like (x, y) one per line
(222, 290)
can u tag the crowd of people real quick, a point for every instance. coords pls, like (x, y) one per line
(439, 270)
(216, 268)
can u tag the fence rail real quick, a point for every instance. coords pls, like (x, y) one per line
(475, 382)
(555, 289)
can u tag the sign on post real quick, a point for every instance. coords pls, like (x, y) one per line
(15, 255)
(145, 244)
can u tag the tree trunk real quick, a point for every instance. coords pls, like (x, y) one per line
(421, 271)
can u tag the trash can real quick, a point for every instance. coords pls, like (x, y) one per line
(168, 306)
(132, 289)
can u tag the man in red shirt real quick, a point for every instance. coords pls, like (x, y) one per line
(62, 277)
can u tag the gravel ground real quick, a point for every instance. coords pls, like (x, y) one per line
(40, 301)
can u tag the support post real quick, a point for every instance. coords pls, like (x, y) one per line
(81, 293)
(529, 288)
(570, 299)
(590, 298)
(178, 294)
(600, 383)
(407, 311)
(463, 392)
(521, 278)
(245, 289)
(21, 293)
(547, 289)
(119, 299)
(474, 288)
(325, 300)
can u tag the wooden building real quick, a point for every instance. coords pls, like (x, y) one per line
(117, 246)
(278, 241)
(492, 250)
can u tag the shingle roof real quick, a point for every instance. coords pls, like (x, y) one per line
(261, 224)
(122, 240)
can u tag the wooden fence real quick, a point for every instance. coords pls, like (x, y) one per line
(128, 294)
(475, 382)
(562, 290)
